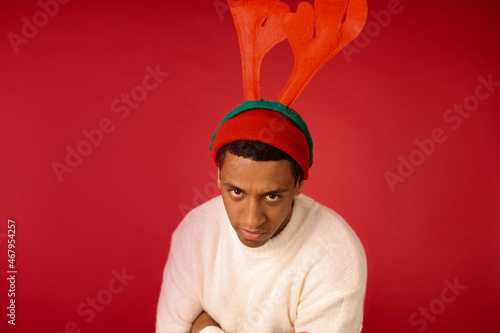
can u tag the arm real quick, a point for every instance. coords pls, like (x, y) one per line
(333, 295)
(179, 305)
(334, 313)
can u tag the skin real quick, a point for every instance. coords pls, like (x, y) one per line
(203, 321)
(258, 197)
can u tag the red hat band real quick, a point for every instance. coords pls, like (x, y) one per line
(269, 127)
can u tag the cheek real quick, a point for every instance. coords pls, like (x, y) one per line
(231, 208)
(276, 215)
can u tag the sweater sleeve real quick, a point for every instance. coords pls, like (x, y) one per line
(179, 304)
(333, 292)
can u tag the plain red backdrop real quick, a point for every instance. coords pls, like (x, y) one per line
(118, 207)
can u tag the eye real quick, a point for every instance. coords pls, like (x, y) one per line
(272, 197)
(236, 193)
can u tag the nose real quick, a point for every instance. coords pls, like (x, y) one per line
(253, 215)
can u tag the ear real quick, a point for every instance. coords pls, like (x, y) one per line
(218, 178)
(299, 186)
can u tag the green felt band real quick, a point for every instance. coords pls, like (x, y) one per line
(274, 106)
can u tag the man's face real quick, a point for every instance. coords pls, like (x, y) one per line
(257, 196)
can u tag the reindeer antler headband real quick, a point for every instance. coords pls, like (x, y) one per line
(261, 24)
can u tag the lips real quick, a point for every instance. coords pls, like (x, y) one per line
(252, 235)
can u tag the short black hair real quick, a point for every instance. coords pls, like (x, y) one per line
(258, 151)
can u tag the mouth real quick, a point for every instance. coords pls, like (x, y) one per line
(250, 235)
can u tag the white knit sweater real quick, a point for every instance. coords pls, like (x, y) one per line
(311, 277)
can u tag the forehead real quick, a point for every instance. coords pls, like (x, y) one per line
(243, 171)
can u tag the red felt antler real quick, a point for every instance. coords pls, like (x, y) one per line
(258, 24)
(332, 34)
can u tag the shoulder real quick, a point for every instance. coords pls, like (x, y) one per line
(210, 210)
(331, 239)
(326, 225)
(200, 222)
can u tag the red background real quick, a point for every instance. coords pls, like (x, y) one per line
(118, 208)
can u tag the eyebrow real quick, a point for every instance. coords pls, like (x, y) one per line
(276, 191)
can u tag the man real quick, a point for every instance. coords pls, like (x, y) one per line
(262, 257)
